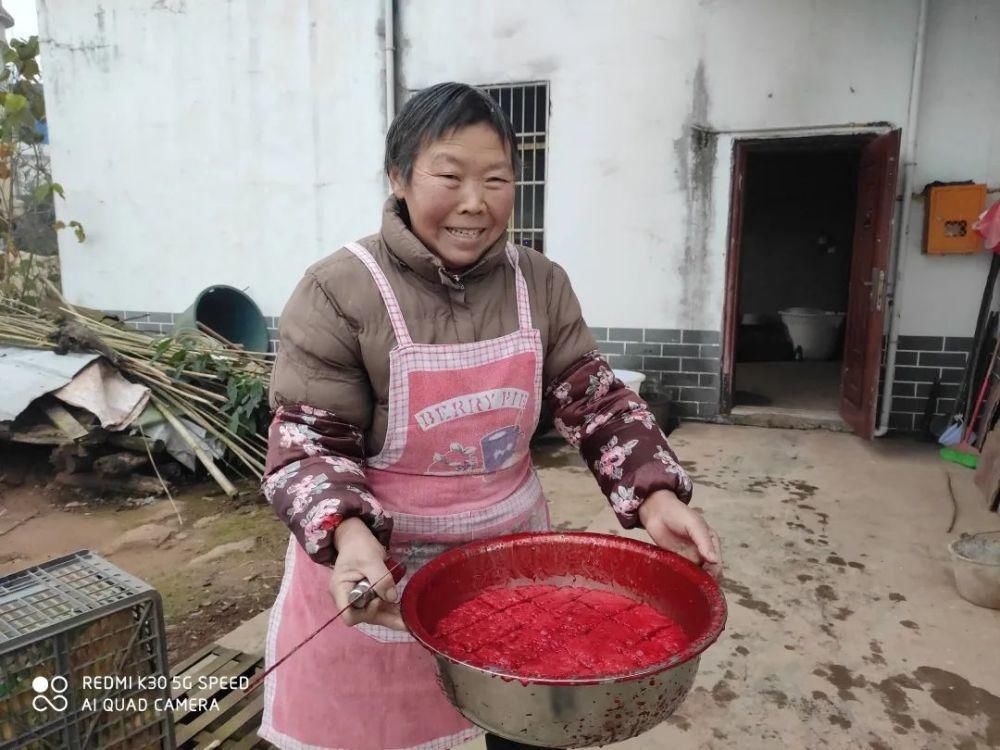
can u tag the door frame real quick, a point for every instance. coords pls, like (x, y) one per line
(742, 144)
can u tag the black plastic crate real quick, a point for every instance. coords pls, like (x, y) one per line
(83, 659)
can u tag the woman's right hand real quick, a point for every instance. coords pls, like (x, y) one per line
(360, 556)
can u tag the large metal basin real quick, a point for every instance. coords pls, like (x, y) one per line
(567, 712)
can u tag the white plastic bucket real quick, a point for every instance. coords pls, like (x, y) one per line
(630, 378)
(816, 332)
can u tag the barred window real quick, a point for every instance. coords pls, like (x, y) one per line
(527, 106)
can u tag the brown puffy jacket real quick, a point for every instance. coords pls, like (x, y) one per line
(331, 378)
(336, 335)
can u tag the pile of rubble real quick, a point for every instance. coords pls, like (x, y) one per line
(125, 412)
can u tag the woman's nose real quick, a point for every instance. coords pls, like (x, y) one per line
(473, 198)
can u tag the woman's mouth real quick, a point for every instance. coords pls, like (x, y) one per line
(464, 233)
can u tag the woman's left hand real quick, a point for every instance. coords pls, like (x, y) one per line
(676, 527)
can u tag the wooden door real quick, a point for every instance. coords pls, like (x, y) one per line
(866, 299)
(730, 313)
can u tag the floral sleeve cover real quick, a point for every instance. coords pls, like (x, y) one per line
(617, 436)
(314, 478)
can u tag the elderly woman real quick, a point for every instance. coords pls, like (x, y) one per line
(411, 371)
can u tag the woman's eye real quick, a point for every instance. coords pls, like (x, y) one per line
(449, 176)
(498, 180)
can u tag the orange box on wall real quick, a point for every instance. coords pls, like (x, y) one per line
(951, 212)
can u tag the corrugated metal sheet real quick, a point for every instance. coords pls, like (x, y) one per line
(26, 374)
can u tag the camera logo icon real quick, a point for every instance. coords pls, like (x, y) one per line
(44, 687)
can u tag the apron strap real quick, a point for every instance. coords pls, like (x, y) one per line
(396, 313)
(391, 303)
(523, 305)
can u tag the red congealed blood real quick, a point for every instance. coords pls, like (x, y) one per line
(559, 632)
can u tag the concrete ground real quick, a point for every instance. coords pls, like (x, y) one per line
(845, 630)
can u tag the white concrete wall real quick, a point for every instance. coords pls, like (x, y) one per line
(211, 142)
(958, 139)
(237, 142)
(627, 82)
(629, 79)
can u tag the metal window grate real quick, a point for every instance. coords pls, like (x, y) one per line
(527, 106)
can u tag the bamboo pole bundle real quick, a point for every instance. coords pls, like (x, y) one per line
(201, 377)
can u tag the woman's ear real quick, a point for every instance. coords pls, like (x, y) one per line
(396, 181)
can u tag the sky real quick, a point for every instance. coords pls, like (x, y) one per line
(25, 18)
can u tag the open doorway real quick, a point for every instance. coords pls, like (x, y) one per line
(809, 238)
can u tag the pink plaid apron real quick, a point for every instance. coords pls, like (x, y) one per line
(455, 466)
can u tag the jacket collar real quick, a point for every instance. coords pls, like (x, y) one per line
(410, 252)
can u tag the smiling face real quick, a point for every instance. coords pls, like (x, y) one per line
(460, 195)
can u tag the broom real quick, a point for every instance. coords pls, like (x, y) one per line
(964, 452)
(987, 226)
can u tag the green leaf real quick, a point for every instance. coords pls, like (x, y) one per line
(42, 192)
(176, 360)
(25, 49)
(14, 104)
(10, 56)
(161, 347)
(199, 364)
(29, 68)
(78, 231)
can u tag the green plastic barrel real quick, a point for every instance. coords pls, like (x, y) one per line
(231, 314)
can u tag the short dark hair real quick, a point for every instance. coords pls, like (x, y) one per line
(436, 111)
